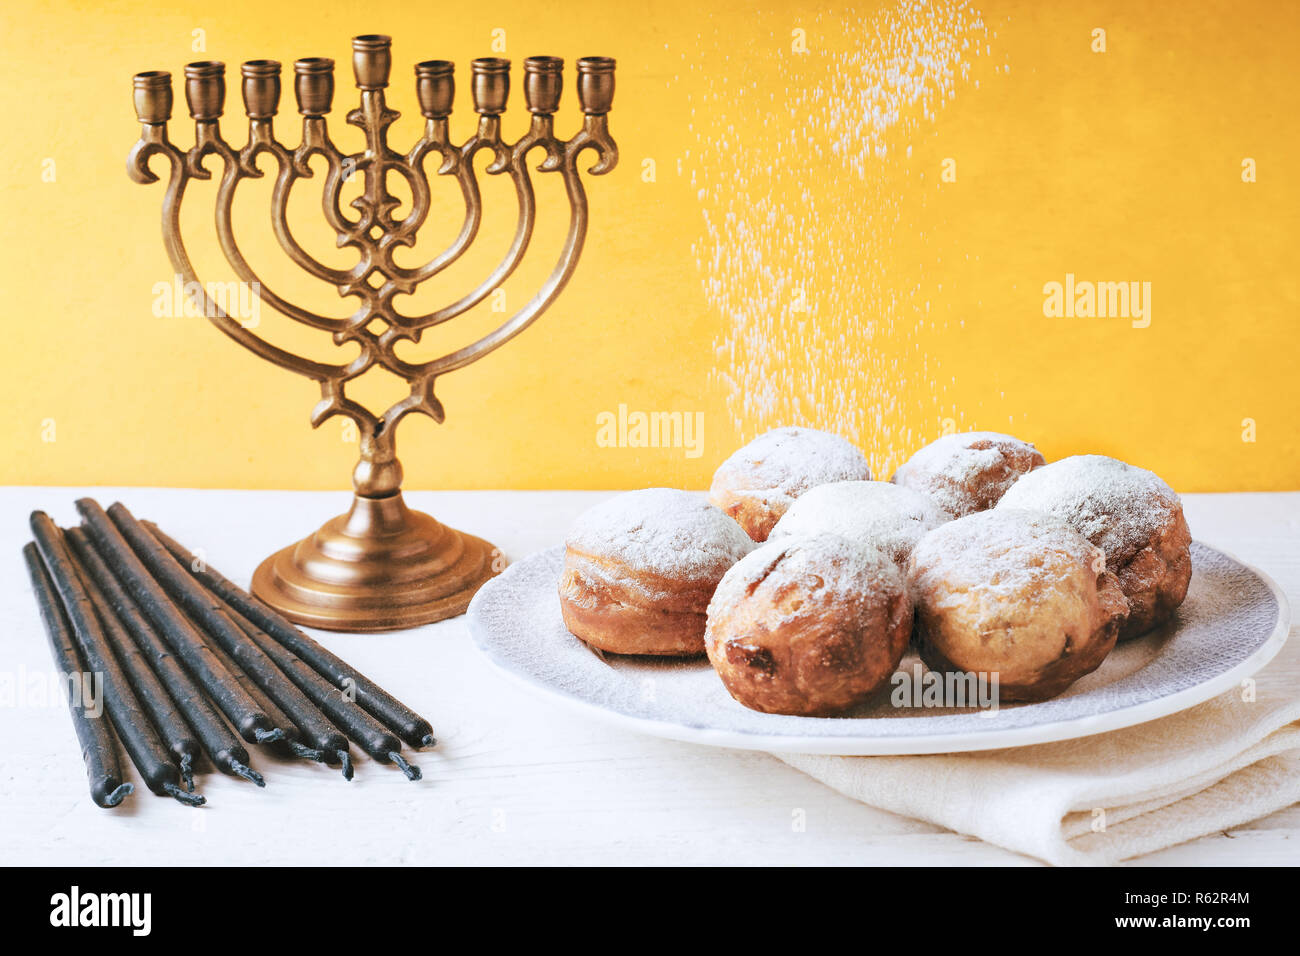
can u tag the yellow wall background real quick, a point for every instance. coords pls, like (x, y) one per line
(1115, 166)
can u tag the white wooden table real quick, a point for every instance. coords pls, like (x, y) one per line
(515, 779)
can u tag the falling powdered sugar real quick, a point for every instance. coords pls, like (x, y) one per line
(801, 196)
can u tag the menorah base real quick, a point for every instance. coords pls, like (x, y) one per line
(380, 567)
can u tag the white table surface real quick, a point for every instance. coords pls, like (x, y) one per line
(515, 779)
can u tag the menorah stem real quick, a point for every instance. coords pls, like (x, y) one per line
(437, 131)
(378, 472)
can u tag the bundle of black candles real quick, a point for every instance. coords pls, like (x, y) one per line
(185, 655)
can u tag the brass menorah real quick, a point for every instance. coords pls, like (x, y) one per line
(381, 565)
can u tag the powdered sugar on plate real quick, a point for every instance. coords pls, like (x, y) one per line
(1231, 624)
(1117, 506)
(662, 531)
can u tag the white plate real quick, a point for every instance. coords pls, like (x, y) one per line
(1233, 621)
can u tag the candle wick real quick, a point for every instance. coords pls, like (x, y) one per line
(247, 772)
(307, 753)
(189, 799)
(345, 758)
(411, 770)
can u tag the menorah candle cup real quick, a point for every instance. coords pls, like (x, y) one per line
(205, 89)
(313, 85)
(543, 83)
(153, 97)
(490, 85)
(261, 88)
(596, 84)
(435, 87)
(381, 565)
(372, 60)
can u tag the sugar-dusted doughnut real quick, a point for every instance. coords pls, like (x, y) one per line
(1017, 594)
(969, 471)
(640, 568)
(759, 481)
(887, 516)
(1131, 515)
(808, 625)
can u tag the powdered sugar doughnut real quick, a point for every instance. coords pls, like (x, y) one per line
(758, 482)
(808, 625)
(968, 472)
(639, 570)
(1130, 514)
(1018, 594)
(886, 516)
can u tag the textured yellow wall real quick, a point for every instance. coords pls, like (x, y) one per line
(876, 298)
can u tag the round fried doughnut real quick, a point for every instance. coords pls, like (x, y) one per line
(639, 570)
(808, 625)
(968, 472)
(759, 481)
(1130, 514)
(887, 516)
(1018, 594)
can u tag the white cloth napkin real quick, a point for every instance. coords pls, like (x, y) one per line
(1110, 797)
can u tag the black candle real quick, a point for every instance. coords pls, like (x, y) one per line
(292, 744)
(98, 747)
(369, 734)
(141, 740)
(184, 639)
(413, 729)
(167, 719)
(222, 746)
(211, 614)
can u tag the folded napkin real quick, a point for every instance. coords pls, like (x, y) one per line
(1110, 797)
